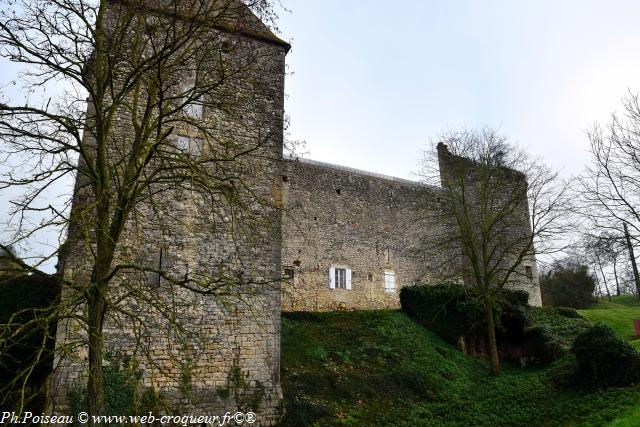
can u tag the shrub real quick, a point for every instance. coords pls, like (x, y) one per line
(545, 347)
(26, 299)
(446, 309)
(123, 393)
(302, 412)
(568, 285)
(568, 312)
(120, 379)
(604, 360)
(451, 311)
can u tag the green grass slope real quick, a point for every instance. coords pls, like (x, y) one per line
(618, 302)
(629, 419)
(617, 314)
(380, 368)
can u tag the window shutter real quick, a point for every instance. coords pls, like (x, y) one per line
(389, 280)
(332, 278)
(348, 279)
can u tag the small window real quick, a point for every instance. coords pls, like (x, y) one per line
(189, 145)
(340, 278)
(289, 273)
(182, 143)
(194, 109)
(389, 281)
(192, 106)
(161, 263)
(529, 272)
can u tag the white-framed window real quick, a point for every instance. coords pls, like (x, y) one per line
(189, 145)
(193, 108)
(340, 277)
(389, 280)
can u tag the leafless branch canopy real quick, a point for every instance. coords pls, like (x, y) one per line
(503, 206)
(610, 187)
(129, 98)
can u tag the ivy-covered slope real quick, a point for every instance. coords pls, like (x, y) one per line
(381, 368)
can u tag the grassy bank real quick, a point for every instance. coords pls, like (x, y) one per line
(617, 314)
(374, 368)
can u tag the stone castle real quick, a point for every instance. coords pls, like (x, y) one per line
(370, 228)
(322, 237)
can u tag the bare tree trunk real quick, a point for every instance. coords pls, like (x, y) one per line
(491, 338)
(606, 288)
(598, 288)
(95, 391)
(604, 278)
(632, 257)
(615, 274)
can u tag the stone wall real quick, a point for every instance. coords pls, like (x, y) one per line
(367, 223)
(505, 193)
(204, 353)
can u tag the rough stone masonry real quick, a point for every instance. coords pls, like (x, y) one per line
(379, 230)
(201, 354)
(342, 239)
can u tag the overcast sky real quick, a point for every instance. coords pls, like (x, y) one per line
(373, 81)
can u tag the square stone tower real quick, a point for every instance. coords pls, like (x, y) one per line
(194, 295)
(497, 199)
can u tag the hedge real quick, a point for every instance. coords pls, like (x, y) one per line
(453, 311)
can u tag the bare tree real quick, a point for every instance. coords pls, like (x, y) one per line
(599, 254)
(610, 187)
(503, 207)
(150, 92)
(603, 252)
